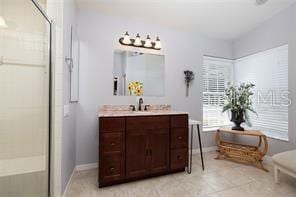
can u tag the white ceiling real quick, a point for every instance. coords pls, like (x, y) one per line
(222, 19)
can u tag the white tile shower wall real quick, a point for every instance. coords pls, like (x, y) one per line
(23, 100)
(29, 184)
(24, 95)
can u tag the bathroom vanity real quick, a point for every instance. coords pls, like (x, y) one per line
(137, 145)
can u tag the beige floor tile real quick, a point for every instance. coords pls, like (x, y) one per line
(234, 176)
(234, 192)
(197, 187)
(219, 183)
(221, 178)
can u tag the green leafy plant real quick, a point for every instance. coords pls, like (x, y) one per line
(238, 100)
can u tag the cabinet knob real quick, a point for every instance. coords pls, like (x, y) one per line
(112, 169)
(180, 137)
(112, 143)
(179, 157)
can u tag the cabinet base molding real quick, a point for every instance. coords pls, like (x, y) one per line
(105, 184)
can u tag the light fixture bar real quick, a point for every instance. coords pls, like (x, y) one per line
(137, 42)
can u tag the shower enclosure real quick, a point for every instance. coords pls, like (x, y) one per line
(25, 92)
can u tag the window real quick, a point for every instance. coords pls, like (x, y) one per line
(268, 70)
(217, 74)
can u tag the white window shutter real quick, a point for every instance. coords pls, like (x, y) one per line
(268, 70)
(217, 74)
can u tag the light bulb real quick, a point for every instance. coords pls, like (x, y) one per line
(126, 39)
(2, 22)
(148, 42)
(157, 43)
(138, 41)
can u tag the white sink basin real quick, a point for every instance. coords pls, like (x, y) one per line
(141, 112)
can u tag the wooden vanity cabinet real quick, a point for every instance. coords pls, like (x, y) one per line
(147, 149)
(179, 142)
(136, 147)
(112, 150)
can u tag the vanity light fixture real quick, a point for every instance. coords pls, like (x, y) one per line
(137, 42)
(126, 39)
(2, 22)
(148, 42)
(157, 43)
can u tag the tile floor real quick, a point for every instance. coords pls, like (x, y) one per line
(220, 178)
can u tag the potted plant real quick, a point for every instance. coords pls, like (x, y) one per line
(239, 103)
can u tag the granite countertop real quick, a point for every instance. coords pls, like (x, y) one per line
(139, 113)
(124, 110)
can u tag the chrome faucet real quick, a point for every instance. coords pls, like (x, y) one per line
(141, 101)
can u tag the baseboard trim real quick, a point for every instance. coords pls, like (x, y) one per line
(87, 166)
(69, 183)
(204, 150)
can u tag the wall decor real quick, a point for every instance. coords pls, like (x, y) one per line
(189, 77)
(135, 88)
(137, 42)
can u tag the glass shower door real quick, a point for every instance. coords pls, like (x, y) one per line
(24, 99)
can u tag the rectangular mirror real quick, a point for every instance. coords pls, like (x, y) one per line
(138, 74)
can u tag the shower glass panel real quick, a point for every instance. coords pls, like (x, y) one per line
(24, 99)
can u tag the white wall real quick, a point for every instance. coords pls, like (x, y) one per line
(69, 125)
(99, 35)
(279, 30)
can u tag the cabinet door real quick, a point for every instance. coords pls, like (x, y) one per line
(136, 154)
(179, 138)
(111, 156)
(112, 142)
(159, 150)
(112, 167)
(179, 158)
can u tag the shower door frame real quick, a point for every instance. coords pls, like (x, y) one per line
(43, 13)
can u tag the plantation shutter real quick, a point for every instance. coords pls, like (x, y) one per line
(268, 70)
(217, 74)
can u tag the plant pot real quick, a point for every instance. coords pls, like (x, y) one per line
(237, 117)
